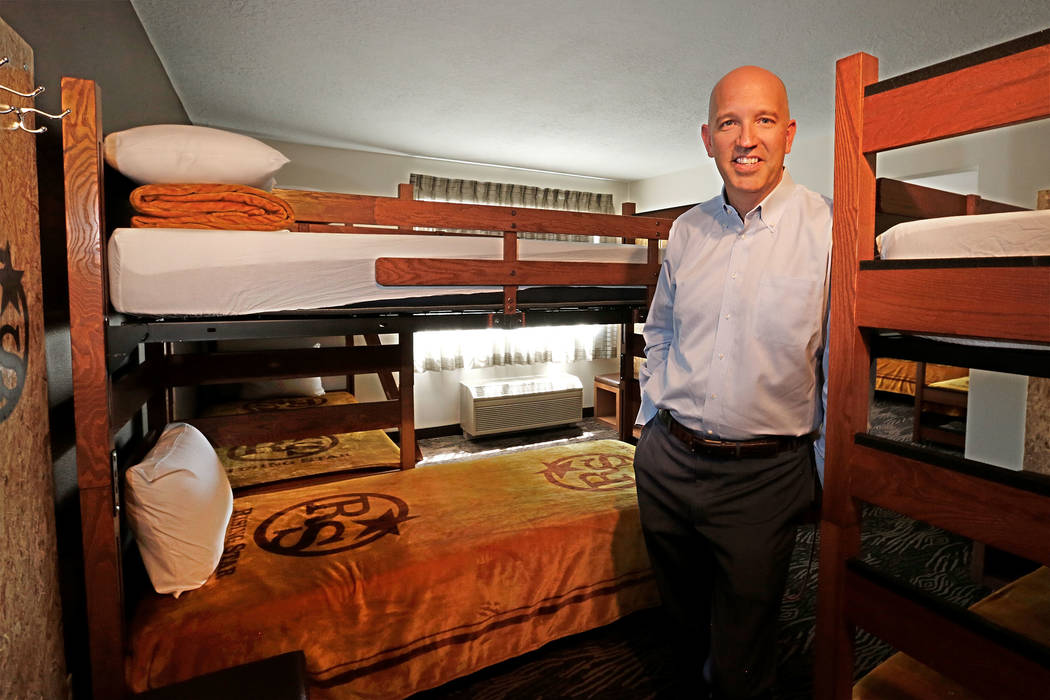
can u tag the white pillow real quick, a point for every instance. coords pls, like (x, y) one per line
(179, 503)
(179, 153)
(271, 388)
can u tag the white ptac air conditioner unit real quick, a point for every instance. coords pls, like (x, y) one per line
(519, 403)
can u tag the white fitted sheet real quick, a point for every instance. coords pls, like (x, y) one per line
(158, 272)
(980, 236)
(1009, 234)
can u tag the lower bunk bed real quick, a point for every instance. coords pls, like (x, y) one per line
(399, 582)
(298, 458)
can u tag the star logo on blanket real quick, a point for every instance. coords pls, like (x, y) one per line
(591, 472)
(283, 403)
(332, 524)
(283, 449)
(14, 334)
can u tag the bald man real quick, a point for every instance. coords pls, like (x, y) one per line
(732, 392)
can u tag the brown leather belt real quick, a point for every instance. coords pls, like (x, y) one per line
(733, 449)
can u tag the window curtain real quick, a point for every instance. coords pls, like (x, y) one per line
(445, 189)
(448, 350)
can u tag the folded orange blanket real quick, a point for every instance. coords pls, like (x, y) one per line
(235, 207)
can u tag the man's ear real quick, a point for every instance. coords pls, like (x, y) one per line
(790, 137)
(705, 136)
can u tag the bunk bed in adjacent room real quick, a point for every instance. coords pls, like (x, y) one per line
(995, 307)
(938, 391)
(389, 582)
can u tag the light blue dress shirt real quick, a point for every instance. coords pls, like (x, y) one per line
(735, 340)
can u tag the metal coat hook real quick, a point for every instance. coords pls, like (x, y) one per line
(36, 92)
(34, 110)
(23, 94)
(19, 125)
(20, 112)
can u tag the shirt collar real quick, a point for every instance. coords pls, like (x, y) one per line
(770, 209)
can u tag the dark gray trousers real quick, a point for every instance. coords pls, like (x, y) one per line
(719, 535)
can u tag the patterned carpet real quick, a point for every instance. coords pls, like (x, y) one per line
(632, 659)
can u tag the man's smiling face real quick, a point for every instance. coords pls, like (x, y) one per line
(749, 131)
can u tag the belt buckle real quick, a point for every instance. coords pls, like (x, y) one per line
(722, 449)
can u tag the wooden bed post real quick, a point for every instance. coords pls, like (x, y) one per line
(96, 477)
(849, 367)
(407, 389)
(628, 209)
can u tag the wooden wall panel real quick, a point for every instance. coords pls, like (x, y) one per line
(32, 663)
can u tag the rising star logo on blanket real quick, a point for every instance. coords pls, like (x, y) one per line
(283, 403)
(332, 524)
(14, 334)
(283, 449)
(591, 472)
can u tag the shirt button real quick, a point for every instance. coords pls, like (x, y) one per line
(732, 276)
(714, 396)
(727, 316)
(721, 356)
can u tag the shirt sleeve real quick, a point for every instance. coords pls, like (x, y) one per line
(819, 445)
(658, 329)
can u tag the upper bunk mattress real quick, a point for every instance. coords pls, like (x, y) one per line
(1018, 233)
(189, 272)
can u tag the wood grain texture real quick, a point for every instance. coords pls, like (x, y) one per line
(471, 272)
(849, 362)
(104, 592)
(982, 302)
(329, 207)
(1003, 516)
(32, 662)
(972, 659)
(1009, 90)
(82, 162)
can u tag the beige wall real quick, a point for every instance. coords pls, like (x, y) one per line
(364, 172)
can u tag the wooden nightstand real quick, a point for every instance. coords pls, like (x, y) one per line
(607, 399)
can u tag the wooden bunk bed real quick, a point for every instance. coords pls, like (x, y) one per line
(993, 299)
(125, 370)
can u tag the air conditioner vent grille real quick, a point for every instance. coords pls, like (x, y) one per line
(524, 403)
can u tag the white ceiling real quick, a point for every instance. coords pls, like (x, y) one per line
(606, 88)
